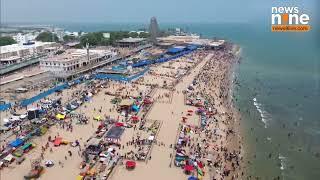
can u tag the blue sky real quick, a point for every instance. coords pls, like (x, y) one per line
(107, 11)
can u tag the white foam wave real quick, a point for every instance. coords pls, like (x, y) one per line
(265, 116)
(282, 161)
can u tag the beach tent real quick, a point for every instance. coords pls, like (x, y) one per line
(27, 146)
(188, 168)
(147, 101)
(57, 141)
(94, 147)
(16, 143)
(9, 158)
(119, 124)
(60, 116)
(14, 118)
(22, 116)
(49, 163)
(135, 108)
(135, 118)
(4, 107)
(5, 120)
(180, 158)
(151, 138)
(192, 178)
(200, 165)
(79, 177)
(130, 164)
(200, 172)
(115, 132)
(97, 118)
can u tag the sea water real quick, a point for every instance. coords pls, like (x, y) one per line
(278, 95)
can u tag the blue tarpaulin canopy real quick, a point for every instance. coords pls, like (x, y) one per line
(16, 143)
(142, 63)
(118, 77)
(175, 50)
(26, 102)
(4, 107)
(192, 178)
(192, 47)
(118, 68)
(135, 108)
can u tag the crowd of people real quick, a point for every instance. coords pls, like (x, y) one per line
(214, 84)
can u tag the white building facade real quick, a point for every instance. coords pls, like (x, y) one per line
(15, 53)
(73, 60)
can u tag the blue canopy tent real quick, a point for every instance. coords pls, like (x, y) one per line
(119, 68)
(192, 178)
(192, 47)
(124, 63)
(4, 107)
(142, 63)
(16, 143)
(135, 108)
(77, 81)
(175, 50)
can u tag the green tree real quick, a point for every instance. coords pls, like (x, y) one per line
(97, 39)
(133, 34)
(144, 35)
(68, 38)
(6, 40)
(93, 39)
(47, 37)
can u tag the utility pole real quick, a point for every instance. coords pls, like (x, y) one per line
(88, 55)
(52, 36)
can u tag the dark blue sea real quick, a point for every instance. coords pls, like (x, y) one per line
(278, 96)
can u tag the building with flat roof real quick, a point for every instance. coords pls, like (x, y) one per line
(179, 39)
(16, 53)
(73, 60)
(192, 39)
(131, 42)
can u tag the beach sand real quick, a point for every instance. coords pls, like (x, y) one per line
(168, 108)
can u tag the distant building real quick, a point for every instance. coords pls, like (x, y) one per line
(131, 42)
(60, 33)
(16, 53)
(23, 38)
(74, 34)
(106, 35)
(187, 39)
(138, 32)
(154, 30)
(191, 39)
(216, 44)
(72, 44)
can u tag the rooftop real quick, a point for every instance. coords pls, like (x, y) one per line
(10, 58)
(131, 40)
(72, 54)
(18, 47)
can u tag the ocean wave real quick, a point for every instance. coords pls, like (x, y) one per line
(283, 160)
(265, 116)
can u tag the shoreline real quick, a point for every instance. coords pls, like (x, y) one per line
(234, 143)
